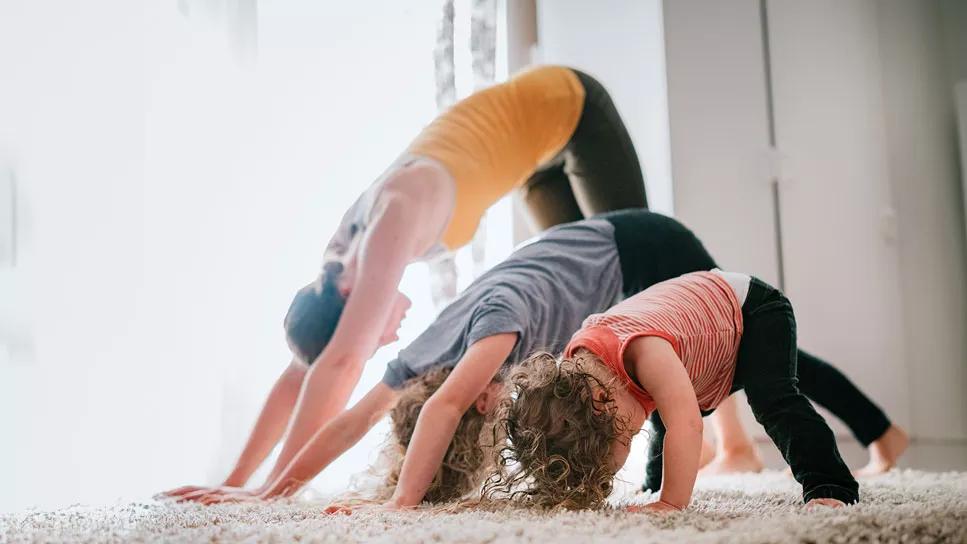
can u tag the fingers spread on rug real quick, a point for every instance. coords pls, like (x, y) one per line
(365, 505)
(179, 491)
(347, 507)
(209, 495)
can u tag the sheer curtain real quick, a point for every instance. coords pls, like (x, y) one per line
(465, 59)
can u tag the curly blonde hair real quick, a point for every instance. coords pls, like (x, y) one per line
(469, 456)
(560, 422)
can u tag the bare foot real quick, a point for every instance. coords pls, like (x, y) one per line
(885, 451)
(708, 453)
(733, 462)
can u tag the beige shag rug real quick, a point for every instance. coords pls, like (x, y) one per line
(902, 506)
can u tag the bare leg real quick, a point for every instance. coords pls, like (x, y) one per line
(884, 452)
(735, 452)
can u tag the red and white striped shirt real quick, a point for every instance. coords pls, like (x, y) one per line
(697, 313)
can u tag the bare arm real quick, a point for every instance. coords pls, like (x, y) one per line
(268, 430)
(331, 441)
(270, 425)
(442, 412)
(662, 373)
(390, 243)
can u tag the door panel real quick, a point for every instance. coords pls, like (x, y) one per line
(839, 226)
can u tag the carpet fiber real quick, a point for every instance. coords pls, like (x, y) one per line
(902, 506)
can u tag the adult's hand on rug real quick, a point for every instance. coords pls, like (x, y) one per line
(214, 494)
(830, 503)
(225, 496)
(656, 507)
(180, 491)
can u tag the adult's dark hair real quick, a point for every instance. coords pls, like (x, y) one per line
(314, 314)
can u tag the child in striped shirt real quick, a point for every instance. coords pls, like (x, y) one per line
(680, 347)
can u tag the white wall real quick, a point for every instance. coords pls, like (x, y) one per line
(172, 202)
(619, 42)
(838, 211)
(924, 177)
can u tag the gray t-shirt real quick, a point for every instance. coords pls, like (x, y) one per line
(543, 292)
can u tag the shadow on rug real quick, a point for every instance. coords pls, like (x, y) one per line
(902, 506)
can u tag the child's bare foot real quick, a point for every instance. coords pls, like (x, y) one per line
(733, 462)
(885, 451)
(708, 453)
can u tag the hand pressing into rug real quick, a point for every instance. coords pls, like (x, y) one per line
(352, 506)
(657, 507)
(210, 495)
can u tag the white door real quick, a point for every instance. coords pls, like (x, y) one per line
(839, 221)
(816, 211)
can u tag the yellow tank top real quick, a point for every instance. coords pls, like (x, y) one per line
(493, 140)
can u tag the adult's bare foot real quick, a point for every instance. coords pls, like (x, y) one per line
(885, 451)
(733, 462)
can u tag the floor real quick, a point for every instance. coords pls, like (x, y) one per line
(902, 506)
(929, 455)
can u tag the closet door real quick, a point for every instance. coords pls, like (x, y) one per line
(779, 161)
(838, 219)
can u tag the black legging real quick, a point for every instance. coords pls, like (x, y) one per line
(596, 172)
(825, 385)
(821, 383)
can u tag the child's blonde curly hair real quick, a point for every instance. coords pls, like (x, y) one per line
(560, 422)
(469, 457)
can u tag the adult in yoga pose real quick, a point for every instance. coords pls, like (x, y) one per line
(440, 390)
(552, 132)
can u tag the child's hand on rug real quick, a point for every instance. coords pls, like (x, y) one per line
(829, 503)
(352, 506)
(349, 506)
(657, 507)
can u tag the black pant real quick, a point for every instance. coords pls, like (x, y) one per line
(825, 385)
(597, 171)
(653, 248)
(767, 369)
